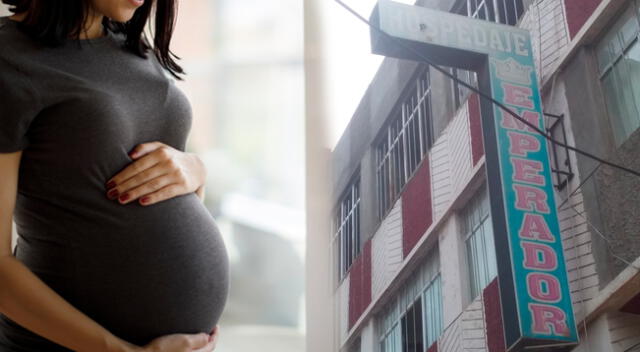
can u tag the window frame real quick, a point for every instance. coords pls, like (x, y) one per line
(603, 71)
(473, 236)
(414, 289)
(400, 140)
(473, 8)
(351, 241)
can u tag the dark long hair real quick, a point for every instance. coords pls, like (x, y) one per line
(51, 22)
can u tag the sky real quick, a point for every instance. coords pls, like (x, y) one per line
(351, 65)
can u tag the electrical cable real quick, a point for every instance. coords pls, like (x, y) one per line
(580, 279)
(579, 186)
(599, 233)
(535, 128)
(485, 96)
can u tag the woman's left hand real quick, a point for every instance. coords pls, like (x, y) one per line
(159, 173)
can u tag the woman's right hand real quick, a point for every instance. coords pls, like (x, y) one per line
(201, 342)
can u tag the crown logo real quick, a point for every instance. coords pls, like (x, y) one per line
(511, 71)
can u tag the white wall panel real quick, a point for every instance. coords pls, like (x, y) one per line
(439, 162)
(459, 141)
(342, 306)
(545, 19)
(386, 250)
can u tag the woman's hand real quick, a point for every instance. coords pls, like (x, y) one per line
(159, 173)
(184, 343)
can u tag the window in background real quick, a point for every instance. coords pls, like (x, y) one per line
(412, 337)
(346, 228)
(478, 232)
(404, 142)
(412, 321)
(618, 54)
(500, 11)
(460, 92)
(432, 297)
(508, 12)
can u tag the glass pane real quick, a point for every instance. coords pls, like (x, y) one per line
(628, 27)
(438, 319)
(632, 63)
(604, 54)
(473, 267)
(491, 249)
(428, 308)
(419, 342)
(397, 339)
(404, 334)
(614, 104)
(620, 101)
(482, 259)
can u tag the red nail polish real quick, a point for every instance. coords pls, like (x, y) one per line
(144, 199)
(112, 193)
(124, 197)
(111, 184)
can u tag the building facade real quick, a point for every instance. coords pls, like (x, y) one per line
(413, 244)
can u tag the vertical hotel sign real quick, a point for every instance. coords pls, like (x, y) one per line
(534, 290)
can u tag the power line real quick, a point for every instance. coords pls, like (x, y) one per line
(579, 186)
(485, 96)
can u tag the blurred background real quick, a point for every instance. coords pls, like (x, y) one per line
(245, 80)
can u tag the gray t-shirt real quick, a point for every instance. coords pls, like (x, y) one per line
(139, 271)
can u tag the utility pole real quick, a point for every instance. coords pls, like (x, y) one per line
(319, 294)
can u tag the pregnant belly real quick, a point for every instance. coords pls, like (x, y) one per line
(158, 270)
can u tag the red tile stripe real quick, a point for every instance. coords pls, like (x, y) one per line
(434, 347)
(416, 207)
(475, 126)
(578, 12)
(360, 284)
(493, 317)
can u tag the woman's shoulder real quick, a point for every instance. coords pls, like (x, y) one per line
(16, 45)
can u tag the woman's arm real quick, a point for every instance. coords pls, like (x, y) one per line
(28, 301)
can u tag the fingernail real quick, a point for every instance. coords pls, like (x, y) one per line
(124, 197)
(144, 199)
(112, 193)
(111, 184)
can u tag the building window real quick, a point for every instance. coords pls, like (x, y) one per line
(346, 228)
(618, 54)
(404, 142)
(478, 232)
(500, 11)
(460, 92)
(412, 321)
(433, 301)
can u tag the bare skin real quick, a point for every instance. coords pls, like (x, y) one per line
(159, 171)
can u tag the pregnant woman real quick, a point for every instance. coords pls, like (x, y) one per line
(116, 251)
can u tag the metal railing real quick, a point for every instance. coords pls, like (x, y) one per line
(560, 157)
